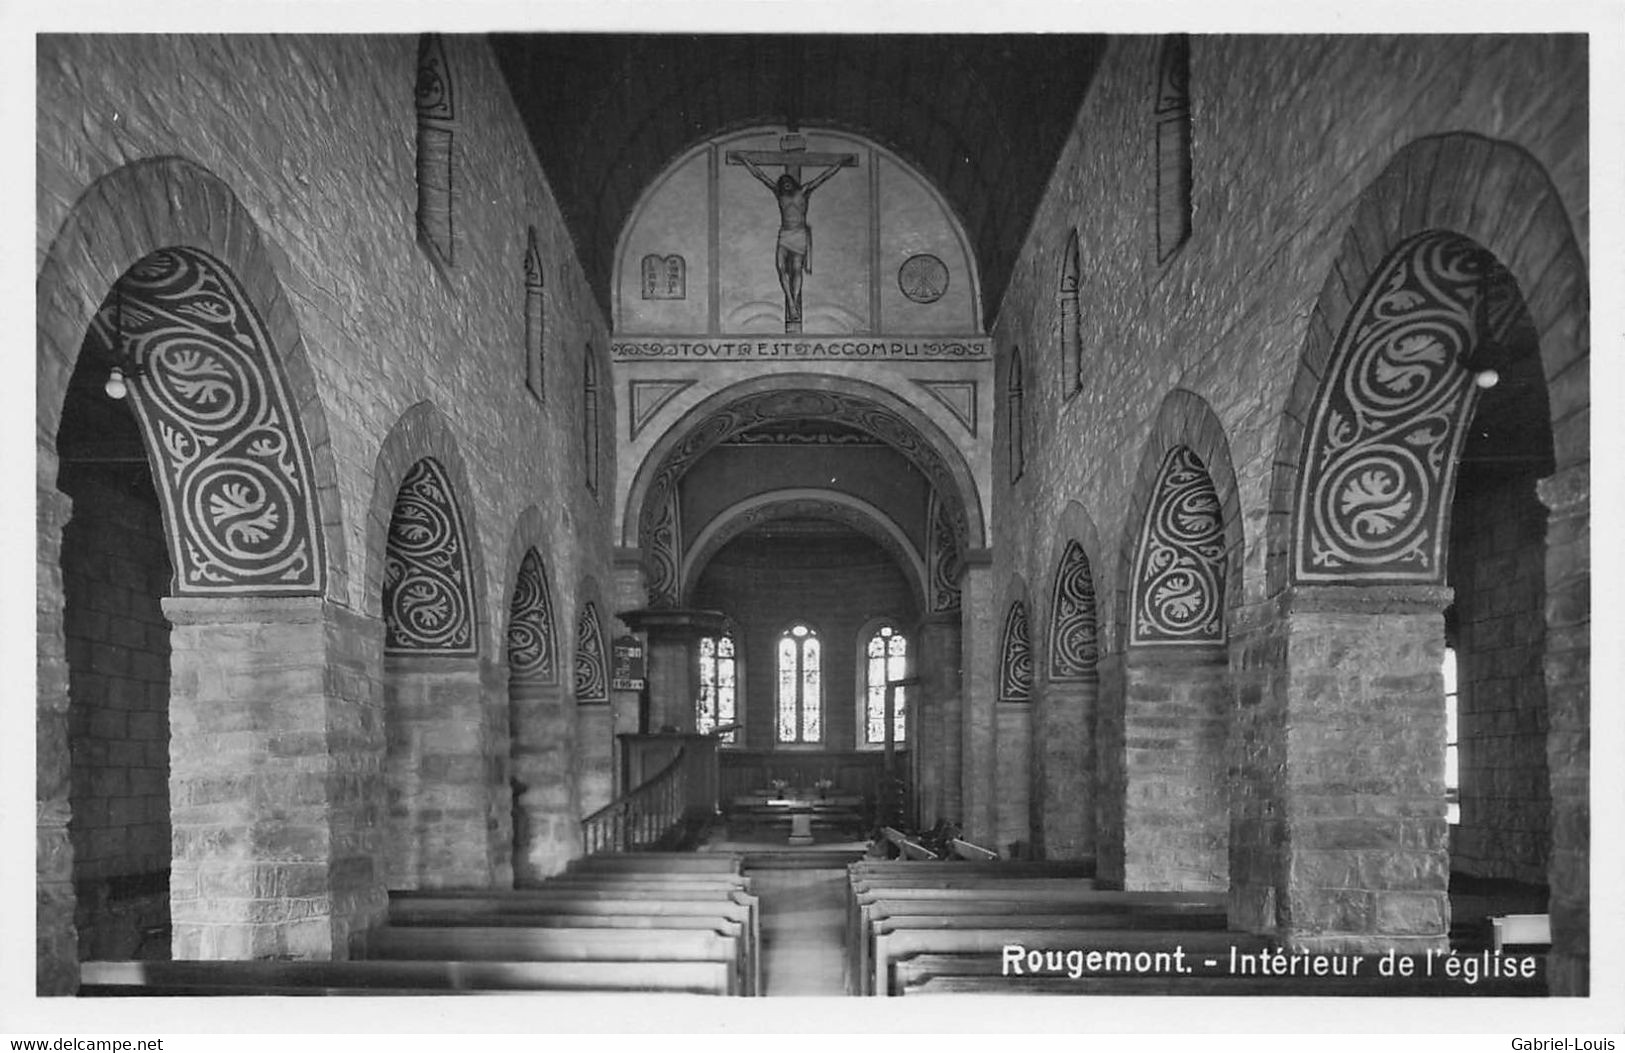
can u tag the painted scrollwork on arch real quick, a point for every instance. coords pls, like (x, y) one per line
(1381, 448)
(943, 554)
(591, 675)
(223, 435)
(1016, 657)
(428, 583)
(532, 651)
(1178, 595)
(663, 545)
(1074, 644)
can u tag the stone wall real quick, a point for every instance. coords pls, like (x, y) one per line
(115, 568)
(1499, 575)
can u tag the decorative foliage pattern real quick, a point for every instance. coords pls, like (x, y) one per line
(531, 646)
(432, 92)
(1074, 645)
(1178, 593)
(234, 467)
(428, 584)
(765, 408)
(1380, 451)
(592, 678)
(1016, 657)
(945, 563)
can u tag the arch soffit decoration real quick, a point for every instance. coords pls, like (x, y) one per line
(824, 504)
(1075, 628)
(1495, 194)
(588, 646)
(1184, 420)
(125, 216)
(1016, 658)
(529, 538)
(423, 432)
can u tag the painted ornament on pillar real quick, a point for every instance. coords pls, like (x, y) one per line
(591, 676)
(1179, 572)
(793, 250)
(1016, 657)
(226, 444)
(530, 626)
(1380, 451)
(1074, 646)
(428, 607)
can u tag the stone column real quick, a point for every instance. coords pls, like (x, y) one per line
(276, 794)
(438, 773)
(546, 834)
(1364, 861)
(1567, 495)
(937, 718)
(980, 664)
(1064, 758)
(56, 942)
(1013, 751)
(1258, 675)
(1110, 778)
(1176, 817)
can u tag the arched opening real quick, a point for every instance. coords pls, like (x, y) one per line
(435, 771)
(115, 572)
(540, 731)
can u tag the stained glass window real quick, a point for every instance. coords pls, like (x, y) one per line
(800, 686)
(886, 658)
(718, 703)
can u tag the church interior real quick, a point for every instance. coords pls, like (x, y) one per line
(483, 472)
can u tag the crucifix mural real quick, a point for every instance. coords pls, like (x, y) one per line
(793, 252)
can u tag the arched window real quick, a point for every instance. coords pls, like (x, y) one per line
(885, 658)
(801, 709)
(1452, 749)
(1015, 416)
(718, 703)
(589, 417)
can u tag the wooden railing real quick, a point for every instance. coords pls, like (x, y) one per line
(639, 819)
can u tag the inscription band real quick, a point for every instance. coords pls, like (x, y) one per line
(935, 349)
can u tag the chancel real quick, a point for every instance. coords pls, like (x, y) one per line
(478, 549)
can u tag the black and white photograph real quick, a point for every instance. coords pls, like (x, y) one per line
(735, 518)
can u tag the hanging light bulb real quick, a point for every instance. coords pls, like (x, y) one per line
(1486, 378)
(115, 387)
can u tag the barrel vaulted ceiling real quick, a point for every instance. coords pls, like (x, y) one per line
(983, 116)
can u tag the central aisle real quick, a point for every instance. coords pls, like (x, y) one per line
(803, 924)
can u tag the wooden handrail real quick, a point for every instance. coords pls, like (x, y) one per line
(638, 819)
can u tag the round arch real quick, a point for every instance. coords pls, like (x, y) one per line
(423, 431)
(820, 503)
(1499, 197)
(649, 519)
(121, 219)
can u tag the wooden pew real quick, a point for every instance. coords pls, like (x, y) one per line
(909, 848)
(574, 945)
(990, 941)
(886, 909)
(188, 978)
(595, 907)
(963, 849)
(701, 863)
